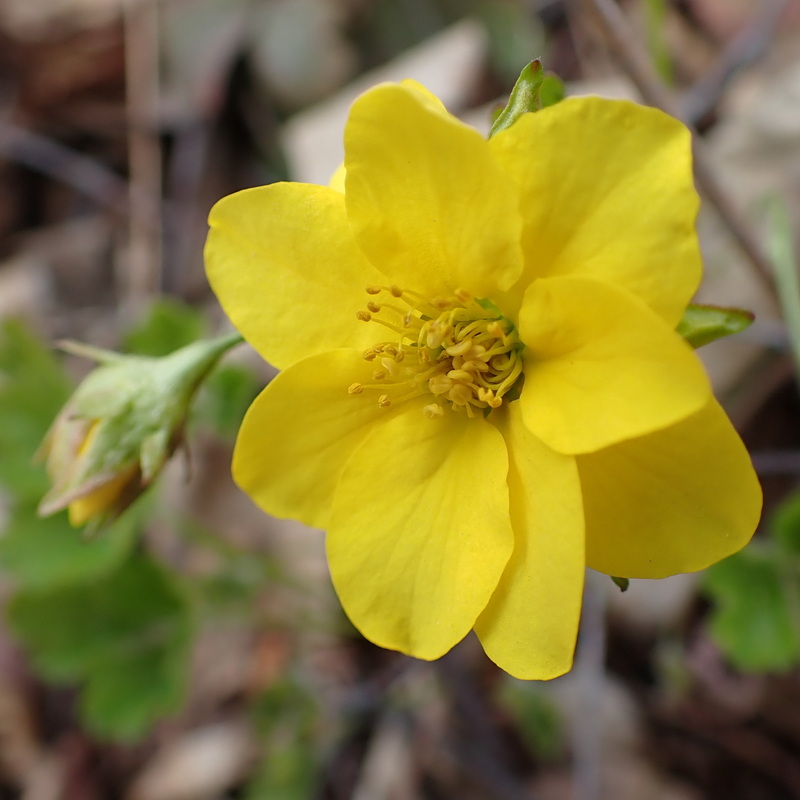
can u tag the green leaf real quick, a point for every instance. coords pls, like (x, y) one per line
(33, 387)
(226, 396)
(524, 97)
(622, 583)
(285, 715)
(124, 636)
(536, 716)
(169, 326)
(755, 621)
(785, 524)
(46, 552)
(552, 90)
(702, 324)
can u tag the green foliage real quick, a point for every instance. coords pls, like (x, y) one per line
(33, 387)
(536, 716)
(285, 716)
(756, 619)
(168, 326)
(93, 612)
(225, 397)
(655, 20)
(786, 269)
(46, 552)
(703, 324)
(552, 90)
(124, 636)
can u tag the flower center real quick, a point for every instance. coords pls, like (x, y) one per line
(458, 349)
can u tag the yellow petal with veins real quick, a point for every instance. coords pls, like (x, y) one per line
(428, 203)
(677, 500)
(607, 193)
(284, 266)
(420, 532)
(601, 367)
(530, 624)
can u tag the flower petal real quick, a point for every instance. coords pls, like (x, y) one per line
(601, 367)
(420, 531)
(674, 501)
(300, 431)
(607, 192)
(531, 623)
(283, 263)
(428, 203)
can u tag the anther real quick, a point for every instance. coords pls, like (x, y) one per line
(379, 374)
(384, 401)
(364, 316)
(355, 388)
(399, 356)
(373, 307)
(495, 329)
(440, 384)
(373, 289)
(396, 291)
(463, 296)
(370, 355)
(459, 375)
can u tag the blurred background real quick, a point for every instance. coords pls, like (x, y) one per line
(195, 649)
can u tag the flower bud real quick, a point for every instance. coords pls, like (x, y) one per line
(120, 426)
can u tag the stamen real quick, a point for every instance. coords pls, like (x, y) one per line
(467, 355)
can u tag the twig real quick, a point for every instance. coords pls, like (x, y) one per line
(83, 174)
(590, 669)
(615, 29)
(743, 50)
(479, 751)
(141, 281)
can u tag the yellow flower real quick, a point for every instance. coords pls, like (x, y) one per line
(482, 391)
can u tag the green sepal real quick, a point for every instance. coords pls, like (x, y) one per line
(136, 407)
(524, 98)
(622, 583)
(702, 324)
